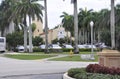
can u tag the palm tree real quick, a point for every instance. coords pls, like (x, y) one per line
(112, 23)
(84, 17)
(5, 13)
(26, 8)
(67, 23)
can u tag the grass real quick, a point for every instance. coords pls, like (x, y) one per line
(28, 57)
(62, 53)
(74, 58)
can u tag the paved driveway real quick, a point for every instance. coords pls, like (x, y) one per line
(11, 67)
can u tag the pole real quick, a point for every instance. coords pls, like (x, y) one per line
(92, 55)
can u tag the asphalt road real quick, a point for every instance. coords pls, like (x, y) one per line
(10, 68)
(41, 76)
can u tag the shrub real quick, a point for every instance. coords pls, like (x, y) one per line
(36, 49)
(72, 72)
(96, 68)
(99, 76)
(80, 73)
(66, 50)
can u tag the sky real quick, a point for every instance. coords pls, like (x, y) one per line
(56, 7)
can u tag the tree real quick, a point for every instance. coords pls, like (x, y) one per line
(26, 8)
(67, 23)
(37, 41)
(5, 12)
(84, 18)
(46, 27)
(76, 51)
(14, 39)
(112, 24)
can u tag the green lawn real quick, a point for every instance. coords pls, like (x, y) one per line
(62, 53)
(28, 57)
(74, 58)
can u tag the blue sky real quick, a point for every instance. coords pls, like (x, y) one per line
(56, 7)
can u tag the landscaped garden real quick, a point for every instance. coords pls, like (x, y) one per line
(94, 71)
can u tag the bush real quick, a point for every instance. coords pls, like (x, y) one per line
(80, 73)
(96, 68)
(67, 50)
(100, 76)
(36, 49)
(72, 72)
(87, 50)
(81, 76)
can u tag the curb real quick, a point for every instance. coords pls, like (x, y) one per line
(65, 76)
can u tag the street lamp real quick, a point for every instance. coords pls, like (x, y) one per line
(91, 25)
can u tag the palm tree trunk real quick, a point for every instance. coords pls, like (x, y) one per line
(79, 36)
(25, 34)
(112, 25)
(83, 36)
(76, 27)
(46, 27)
(30, 36)
(98, 36)
(94, 37)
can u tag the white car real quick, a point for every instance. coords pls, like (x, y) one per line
(68, 46)
(90, 46)
(81, 46)
(20, 48)
(55, 46)
(42, 46)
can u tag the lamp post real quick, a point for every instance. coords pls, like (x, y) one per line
(91, 25)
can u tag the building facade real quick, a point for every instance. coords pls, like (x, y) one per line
(55, 33)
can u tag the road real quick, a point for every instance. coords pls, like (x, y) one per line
(41, 76)
(13, 67)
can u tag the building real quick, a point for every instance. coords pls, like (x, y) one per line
(39, 27)
(37, 32)
(55, 33)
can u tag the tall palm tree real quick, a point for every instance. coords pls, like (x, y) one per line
(46, 27)
(112, 23)
(26, 8)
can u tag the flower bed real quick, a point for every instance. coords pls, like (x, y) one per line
(88, 73)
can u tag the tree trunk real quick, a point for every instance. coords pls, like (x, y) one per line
(112, 25)
(30, 36)
(76, 27)
(79, 36)
(98, 36)
(46, 27)
(83, 36)
(94, 40)
(25, 34)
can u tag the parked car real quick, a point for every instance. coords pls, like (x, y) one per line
(20, 48)
(67, 46)
(54, 46)
(81, 46)
(42, 46)
(90, 46)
